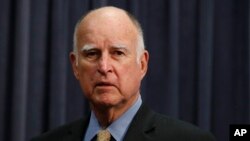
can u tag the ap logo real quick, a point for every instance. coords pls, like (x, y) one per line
(240, 132)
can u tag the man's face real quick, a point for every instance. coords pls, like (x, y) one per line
(106, 65)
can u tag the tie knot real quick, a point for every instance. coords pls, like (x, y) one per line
(103, 135)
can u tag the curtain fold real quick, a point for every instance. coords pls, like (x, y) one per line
(20, 54)
(205, 63)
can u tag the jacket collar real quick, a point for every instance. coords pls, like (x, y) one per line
(77, 130)
(142, 126)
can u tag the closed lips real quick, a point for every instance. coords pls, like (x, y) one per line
(104, 84)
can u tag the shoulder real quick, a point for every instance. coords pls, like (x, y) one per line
(148, 125)
(168, 127)
(62, 132)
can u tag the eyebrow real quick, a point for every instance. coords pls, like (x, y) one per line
(87, 47)
(119, 46)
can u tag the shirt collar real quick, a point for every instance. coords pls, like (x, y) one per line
(118, 128)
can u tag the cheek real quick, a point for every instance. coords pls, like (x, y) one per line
(86, 69)
(130, 78)
(86, 73)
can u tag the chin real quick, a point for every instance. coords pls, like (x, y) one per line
(108, 102)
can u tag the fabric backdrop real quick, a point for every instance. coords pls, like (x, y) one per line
(199, 68)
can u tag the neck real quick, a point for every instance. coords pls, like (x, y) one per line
(107, 115)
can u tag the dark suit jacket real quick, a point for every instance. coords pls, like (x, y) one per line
(146, 126)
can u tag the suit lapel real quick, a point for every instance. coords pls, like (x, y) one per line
(140, 129)
(77, 131)
(142, 126)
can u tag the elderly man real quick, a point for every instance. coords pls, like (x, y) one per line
(109, 61)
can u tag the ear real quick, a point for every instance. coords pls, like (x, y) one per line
(73, 60)
(144, 63)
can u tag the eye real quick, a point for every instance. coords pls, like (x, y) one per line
(118, 53)
(92, 54)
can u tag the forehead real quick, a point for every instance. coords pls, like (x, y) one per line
(106, 26)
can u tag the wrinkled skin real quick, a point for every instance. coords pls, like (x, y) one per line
(106, 62)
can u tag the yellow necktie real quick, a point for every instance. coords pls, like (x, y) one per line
(103, 135)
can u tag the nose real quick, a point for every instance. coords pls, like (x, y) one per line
(104, 64)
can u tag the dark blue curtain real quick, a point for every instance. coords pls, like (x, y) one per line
(199, 68)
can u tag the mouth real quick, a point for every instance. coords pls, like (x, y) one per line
(104, 84)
